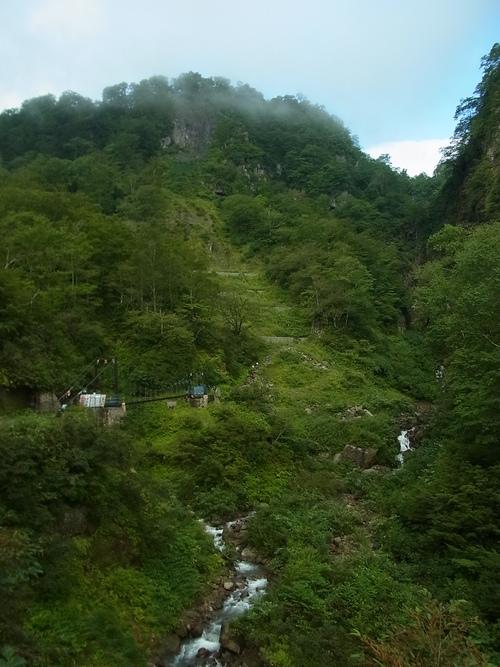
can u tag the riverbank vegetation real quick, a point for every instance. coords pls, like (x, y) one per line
(190, 228)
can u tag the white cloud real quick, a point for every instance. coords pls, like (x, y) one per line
(414, 156)
(11, 100)
(69, 18)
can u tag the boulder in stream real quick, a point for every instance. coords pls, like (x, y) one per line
(249, 555)
(228, 640)
(172, 643)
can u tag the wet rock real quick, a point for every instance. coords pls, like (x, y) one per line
(191, 624)
(363, 458)
(415, 422)
(228, 639)
(172, 643)
(228, 585)
(196, 629)
(162, 662)
(249, 555)
(416, 436)
(182, 630)
(203, 653)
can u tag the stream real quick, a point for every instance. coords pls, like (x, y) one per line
(404, 445)
(250, 583)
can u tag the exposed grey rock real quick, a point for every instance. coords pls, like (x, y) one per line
(74, 521)
(203, 653)
(182, 630)
(196, 629)
(337, 458)
(377, 470)
(192, 133)
(46, 401)
(172, 643)
(278, 339)
(249, 554)
(228, 639)
(355, 412)
(363, 458)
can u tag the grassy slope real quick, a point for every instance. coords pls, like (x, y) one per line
(269, 446)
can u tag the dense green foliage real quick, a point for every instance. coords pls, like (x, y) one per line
(190, 227)
(92, 547)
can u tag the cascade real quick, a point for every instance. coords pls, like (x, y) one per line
(250, 584)
(404, 445)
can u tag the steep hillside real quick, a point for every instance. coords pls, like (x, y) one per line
(189, 227)
(472, 167)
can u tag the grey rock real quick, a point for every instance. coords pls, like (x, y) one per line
(203, 653)
(46, 401)
(74, 521)
(355, 412)
(363, 458)
(228, 639)
(377, 470)
(249, 555)
(172, 643)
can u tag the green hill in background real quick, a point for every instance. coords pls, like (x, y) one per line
(189, 229)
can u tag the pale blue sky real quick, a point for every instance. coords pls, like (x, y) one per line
(392, 70)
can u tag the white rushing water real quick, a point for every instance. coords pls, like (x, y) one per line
(250, 584)
(404, 445)
(216, 534)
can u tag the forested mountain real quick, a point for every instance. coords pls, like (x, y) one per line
(98, 198)
(189, 227)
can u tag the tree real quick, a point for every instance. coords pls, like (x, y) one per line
(435, 636)
(458, 295)
(236, 311)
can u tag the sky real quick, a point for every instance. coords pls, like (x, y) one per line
(393, 71)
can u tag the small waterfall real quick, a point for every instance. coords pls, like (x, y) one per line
(404, 445)
(216, 534)
(250, 584)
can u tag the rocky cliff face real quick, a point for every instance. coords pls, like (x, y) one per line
(191, 134)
